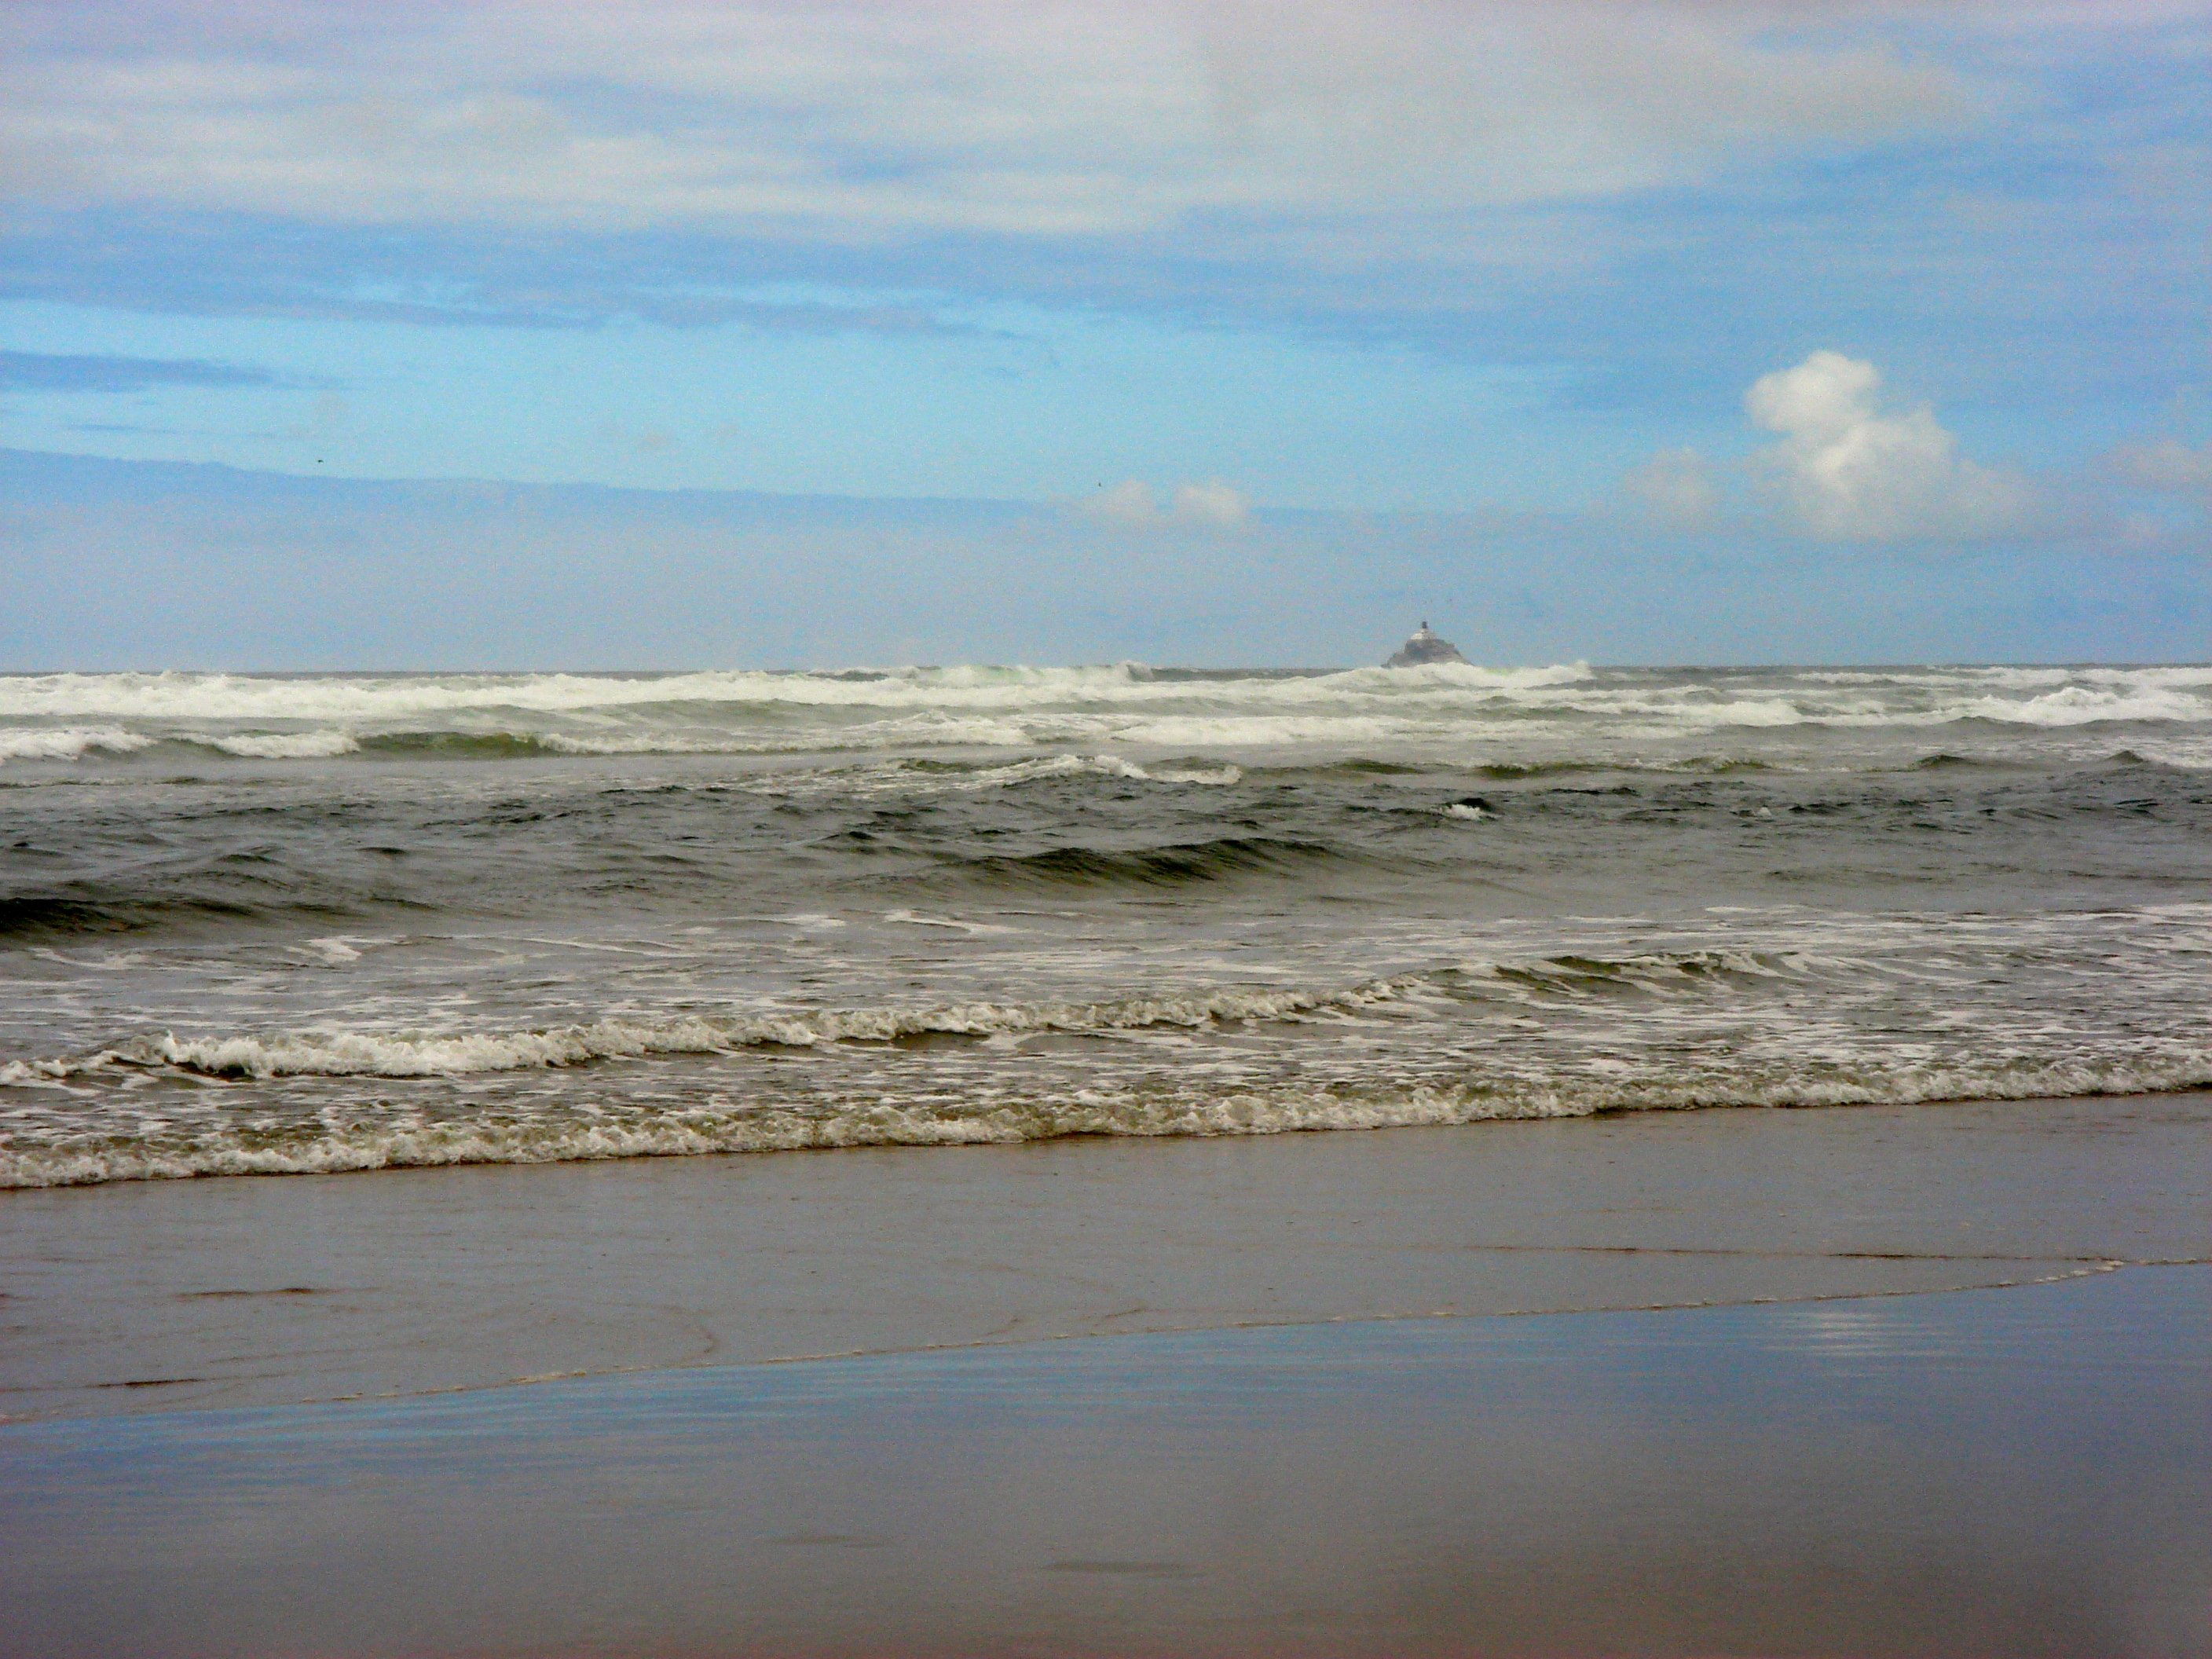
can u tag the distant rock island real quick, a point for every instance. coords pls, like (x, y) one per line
(1423, 649)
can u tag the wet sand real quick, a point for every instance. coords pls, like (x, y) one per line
(2017, 1472)
(244, 1292)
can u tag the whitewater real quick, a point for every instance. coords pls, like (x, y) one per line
(292, 924)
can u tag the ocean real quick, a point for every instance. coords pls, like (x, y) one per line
(279, 924)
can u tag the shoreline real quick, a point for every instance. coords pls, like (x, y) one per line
(140, 1298)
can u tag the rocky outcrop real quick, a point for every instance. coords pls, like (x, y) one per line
(1423, 649)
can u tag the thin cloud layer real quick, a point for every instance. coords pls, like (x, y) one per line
(2168, 464)
(1673, 489)
(878, 121)
(1211, 505)
(38, 371)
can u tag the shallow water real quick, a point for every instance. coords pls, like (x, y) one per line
(307, 923)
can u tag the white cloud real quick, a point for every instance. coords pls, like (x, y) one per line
(1126, 506)
(1211, 505)
(878, 117)
(1673, 489)
(1848, 472)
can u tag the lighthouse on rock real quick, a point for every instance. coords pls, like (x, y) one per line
(1423, 649)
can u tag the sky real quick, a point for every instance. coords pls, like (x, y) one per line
(500, 333)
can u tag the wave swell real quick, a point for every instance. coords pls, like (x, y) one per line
(1175, 866)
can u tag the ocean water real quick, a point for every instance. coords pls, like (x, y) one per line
(279, 924)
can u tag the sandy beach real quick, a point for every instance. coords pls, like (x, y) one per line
(1811, 1423)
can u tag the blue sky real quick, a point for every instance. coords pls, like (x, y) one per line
(1770, 315)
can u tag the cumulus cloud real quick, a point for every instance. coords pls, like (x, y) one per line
(1846, 472)
(878, 119)
(1211, 505)
(1673, 489)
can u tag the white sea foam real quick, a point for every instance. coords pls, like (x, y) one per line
(1206, 774)
(997, 777)
(1122, 706)
(67, 742)
(2080, 705)
(179, 696)
(344, 1053)
(172, 697)
(950, 924)
(337, 949)
(1263, 731)
(2177, 674)
(286, 745)
(1772, 1006)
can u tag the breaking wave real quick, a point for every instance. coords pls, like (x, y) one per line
(400, 1054)
(356, 1142)
(71, 718)
(69, 743)
(1559, 1035)
(183, 696)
